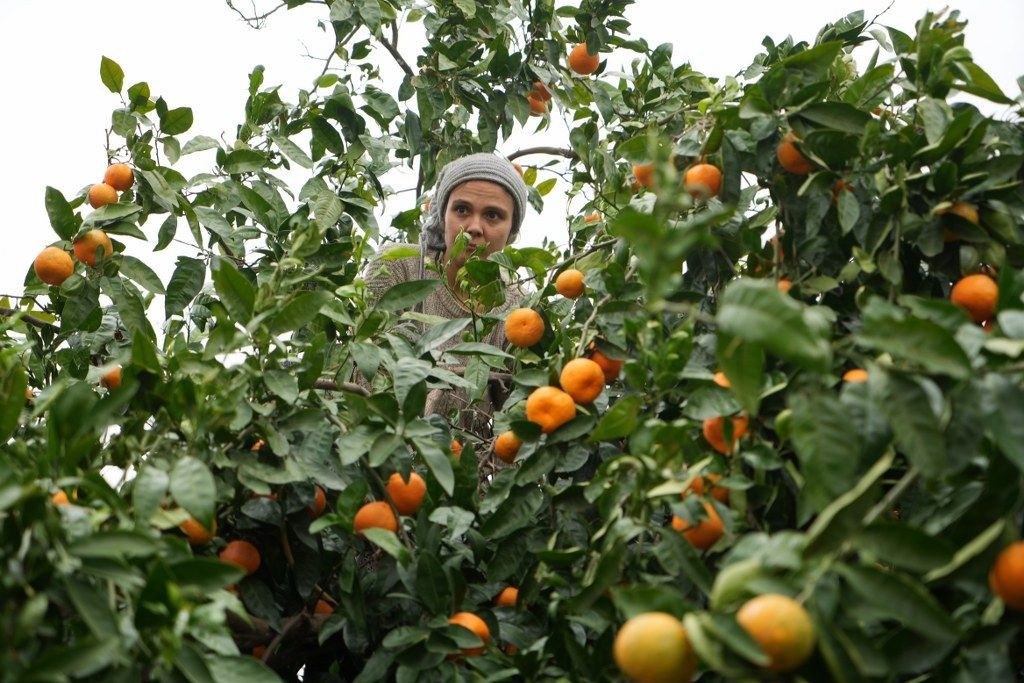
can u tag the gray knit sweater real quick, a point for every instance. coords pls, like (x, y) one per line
(453, 404)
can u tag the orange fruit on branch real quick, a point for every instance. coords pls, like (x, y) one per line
(456, 449)
(785, 285)
(703, 181)
(966, 211)
(475, 624)
(507, 445)
(540, 91)
(101, 194)
(721, 380)
(582, 62)
(714, 431)
(790, 158)
(610, 366)
(519, 169)
(406, 495)
(569, 283)
(781, 626)
(323, 607)
(119, 176)
(507, 597)
(592, 218)
(644, 174)
(376, 515)
(977, 294)
(653, 648)
(197, 533)
(112, 378)
(87, 245)
(583, 379)
(241, 554)
(319, 504)
(1006, 578)
(698, 486)
(524, 327)
(60, 498)
(53, 266)
(705, 533)
(538, 107)
(550, 407)
(855, 375)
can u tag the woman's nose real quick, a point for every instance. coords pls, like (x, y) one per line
(473, 228)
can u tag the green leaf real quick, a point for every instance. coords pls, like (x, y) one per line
(193, 488)
(176, 121)
(206, 573)
(198, 144)
(111, 74)
(902, 599)
(387, 541)
(916, 428)
(62, 217)
(755, 311)
(371, 13)
(138, 271)
(235, 290)
(292, 151)
(904, 546)
(114, 545)
(468, 7)
(406, 294)
(81, 660)
(1004, 416)
(186, 282)
(969, 551)
(214, 222)
(129, 307)
(433, 587)
(92, 607)
(922, 342)
(299, 311)
(13, 383)
(828, 446)
(836, 116)
(148, 491)
(144, 354)
(327, 209)
(620, 420)
(283, 384)
(518, 511)
(743, 365)
(438, 462)
(841, 518)
(244, 669)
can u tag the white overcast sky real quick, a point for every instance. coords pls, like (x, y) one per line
(197, 53)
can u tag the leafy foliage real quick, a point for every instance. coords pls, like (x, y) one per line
(879, 505)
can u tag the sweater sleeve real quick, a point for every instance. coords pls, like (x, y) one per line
(383, 274)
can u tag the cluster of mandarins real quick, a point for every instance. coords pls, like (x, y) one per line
(654, 646)
(53, 265)
(580, 62)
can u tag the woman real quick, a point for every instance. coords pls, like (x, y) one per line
(483, 196)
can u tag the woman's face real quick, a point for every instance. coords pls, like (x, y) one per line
(483, 210)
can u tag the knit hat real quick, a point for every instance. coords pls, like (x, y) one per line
(481, 166)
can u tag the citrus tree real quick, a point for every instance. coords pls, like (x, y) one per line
(762, 412)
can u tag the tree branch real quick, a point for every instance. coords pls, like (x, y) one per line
(556, 151)
(392, 47)
(31, 320)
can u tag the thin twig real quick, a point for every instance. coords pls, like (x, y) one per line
(393, 49)
(290, 623)
(556, 151)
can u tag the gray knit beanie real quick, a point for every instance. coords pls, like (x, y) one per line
(481, 166)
